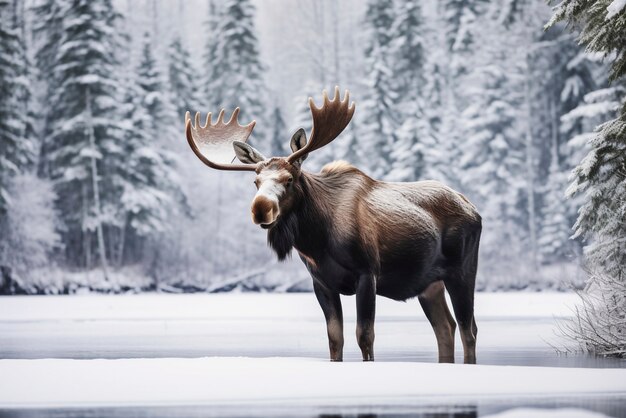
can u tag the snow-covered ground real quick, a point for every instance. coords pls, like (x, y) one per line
(261, 352)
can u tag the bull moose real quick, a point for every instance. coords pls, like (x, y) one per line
(357, 235)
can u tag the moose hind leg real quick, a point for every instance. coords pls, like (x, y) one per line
(365, 315)
(330, 303)
(434, 304)
(462, 298)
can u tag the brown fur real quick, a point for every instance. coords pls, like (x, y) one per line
(399, 240)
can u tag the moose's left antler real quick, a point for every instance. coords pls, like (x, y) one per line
(213, 143)
(329, 121)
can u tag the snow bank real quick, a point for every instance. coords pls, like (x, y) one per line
(288, 381)
(547, 413)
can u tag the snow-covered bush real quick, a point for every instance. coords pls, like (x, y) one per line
(600, 322)
(28, 227)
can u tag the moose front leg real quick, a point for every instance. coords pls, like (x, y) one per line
(365, 314)
(331, 305)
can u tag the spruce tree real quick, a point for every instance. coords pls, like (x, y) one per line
(182, 79)
(492, 155)
(47, 33)
(379, 121)
(83, 116)
(16, 136)
(211, 70)
(414, 137)
(601, 176)
(601, 179)
(237, 73)
(280, 137)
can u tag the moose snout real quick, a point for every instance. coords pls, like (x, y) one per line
(264, 210)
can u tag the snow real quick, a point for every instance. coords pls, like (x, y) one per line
(287, 381)
(614, 8)
(547, 413)
(265, 326)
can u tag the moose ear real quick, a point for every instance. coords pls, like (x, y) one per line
(246, 154)
(298, 140)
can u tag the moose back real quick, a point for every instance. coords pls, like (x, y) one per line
(356, 235)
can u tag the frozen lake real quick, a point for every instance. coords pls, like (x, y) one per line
(211, 330)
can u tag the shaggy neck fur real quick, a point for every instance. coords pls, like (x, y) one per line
(308, 216)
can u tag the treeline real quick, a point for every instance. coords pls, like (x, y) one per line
(98, 189)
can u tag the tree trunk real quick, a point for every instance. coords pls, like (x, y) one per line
(122, 242)
(530, 171)
(86, 241)
(96, 191)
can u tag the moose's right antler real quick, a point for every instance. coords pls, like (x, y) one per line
(213, 144)
(329, 121)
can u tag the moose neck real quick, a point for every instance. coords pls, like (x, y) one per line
(306, 227)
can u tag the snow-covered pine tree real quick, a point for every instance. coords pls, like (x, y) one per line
(17, 145)
(237, 74)
(601, 177)
(159, 192)
(183, 78)
(376, 113)
(414, 136)
(460, 24)
(143, 179)
(493, 152)
(47, 32)
(566, 76)
(602, 173)
(24, 243)
(211, 75)
(279, 141)
(83, 113)
(16, 150)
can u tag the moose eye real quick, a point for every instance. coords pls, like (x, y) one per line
(289, 181)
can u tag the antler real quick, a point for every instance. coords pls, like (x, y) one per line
(213, 144)
(329, 121)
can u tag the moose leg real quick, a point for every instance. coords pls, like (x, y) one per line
(434, 304)
(331, 306)
(365, 314)
(462, 297)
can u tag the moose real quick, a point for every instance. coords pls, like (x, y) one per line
(356, 235)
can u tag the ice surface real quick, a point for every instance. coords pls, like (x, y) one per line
(265, 324)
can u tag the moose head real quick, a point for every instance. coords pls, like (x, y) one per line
(276, 177)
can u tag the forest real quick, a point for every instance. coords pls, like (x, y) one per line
(496, 98)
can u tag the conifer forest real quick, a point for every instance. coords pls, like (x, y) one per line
(518, 104)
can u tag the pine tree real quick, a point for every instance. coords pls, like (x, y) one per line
(237, 74)
(47, 33)
(602, 173)
(211, 69)
(460, 17)
(564, 79)
(182, 79)
(415, 135)
(378, 120)
(156, 192)
(16, 136)
(82, 115)
(279, 139)
(493, 153)
(601, 178)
